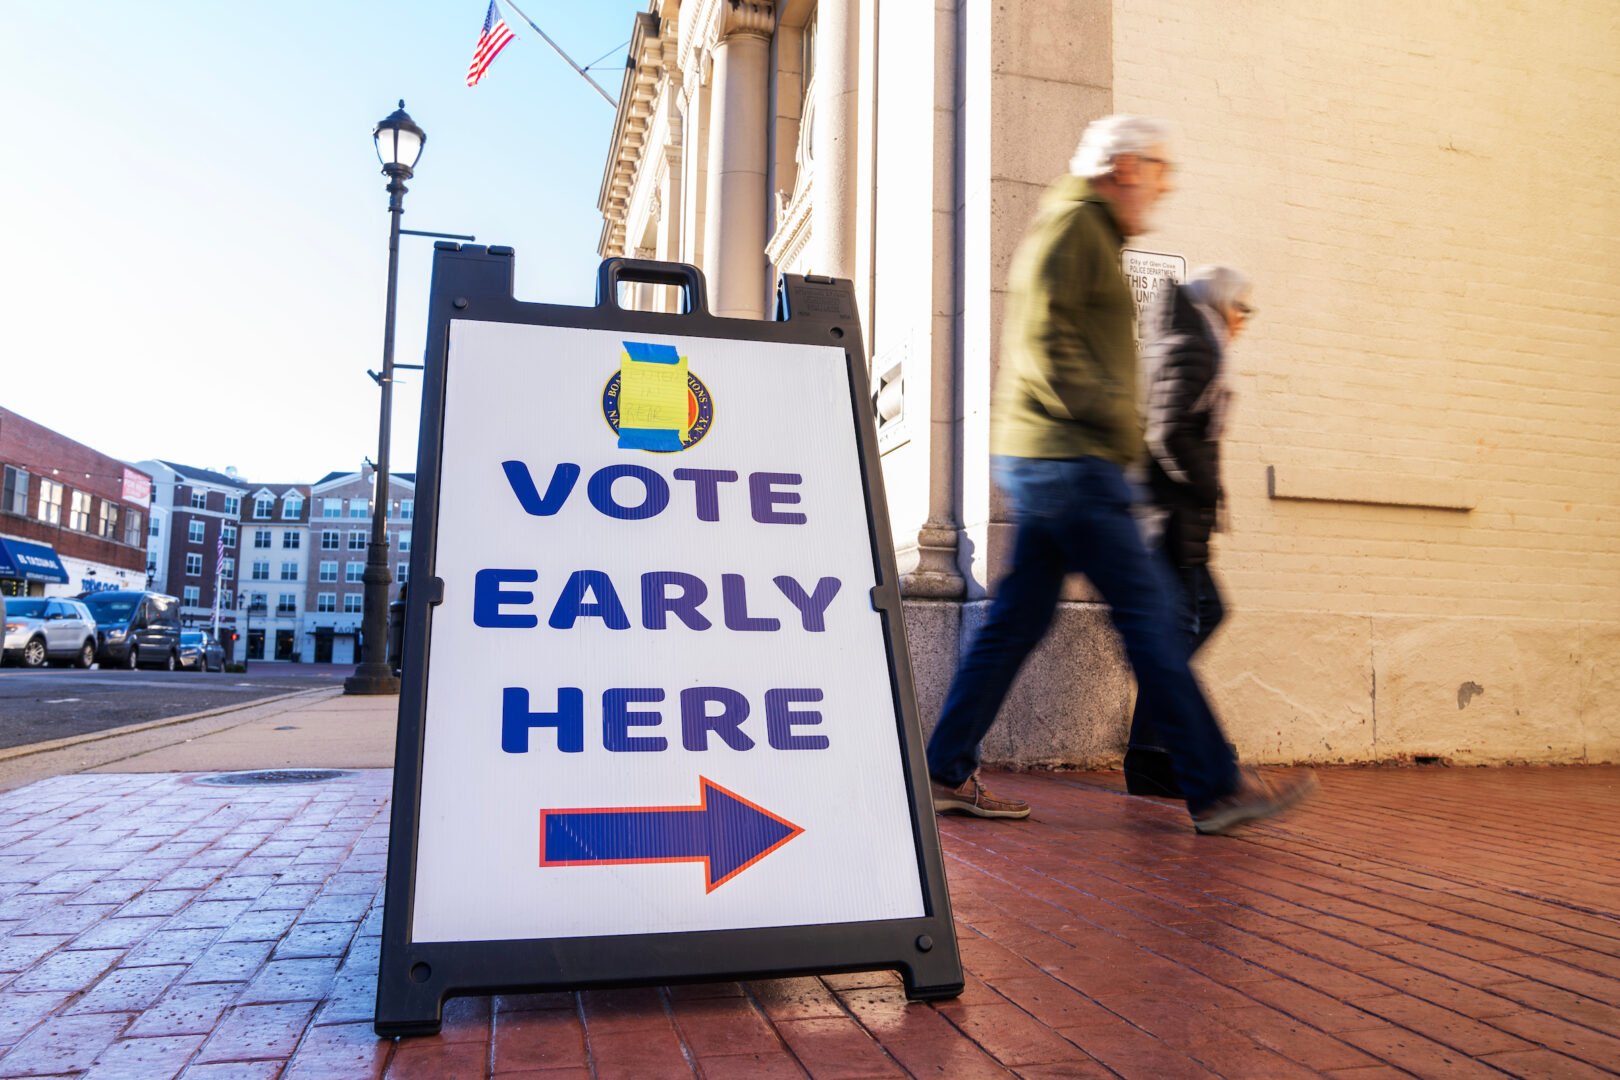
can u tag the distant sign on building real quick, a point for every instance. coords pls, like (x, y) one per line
(1148, 273)
(137, 488)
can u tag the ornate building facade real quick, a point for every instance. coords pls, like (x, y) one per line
(1422, 494)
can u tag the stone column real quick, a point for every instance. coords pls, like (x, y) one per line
(837, 128)
(736, 208)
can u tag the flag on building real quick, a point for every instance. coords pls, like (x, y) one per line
(490, 43)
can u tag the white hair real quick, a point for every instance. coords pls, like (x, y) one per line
(1108, 138)
(1218, 287)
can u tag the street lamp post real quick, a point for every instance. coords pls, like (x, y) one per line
(244, 601)
(399, 145)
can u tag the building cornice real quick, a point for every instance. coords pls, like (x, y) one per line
(637, 97)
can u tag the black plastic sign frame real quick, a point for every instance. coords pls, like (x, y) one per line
(475, 283)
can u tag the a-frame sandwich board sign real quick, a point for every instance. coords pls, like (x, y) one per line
(656, 721)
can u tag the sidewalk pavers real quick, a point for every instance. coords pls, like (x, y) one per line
(1409, 922)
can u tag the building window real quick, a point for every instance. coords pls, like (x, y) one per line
(287, 604)
(353, 571)
(404, 542)
(109, 520)
(79, 512)
(262, 508)
(261, 571)
(357, 541)
(227, 534)
(328, 571)
(261, 538)
(291, 507)
(352, 603)
(331, 508)
(289, 571)
(199, 500)
(402, 573)
(157, 528)
(227, 568)
(256, 602)
(330, 540)
(191, 596)
(233, 505)
(193, 564)
(15, 497)
(407, 509)
(194, 531)
(224, 598)
(359, 508)
(50, 501)
(289, 539)
(133, 523)
(326, 601)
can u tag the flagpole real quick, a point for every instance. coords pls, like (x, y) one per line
(558, 50)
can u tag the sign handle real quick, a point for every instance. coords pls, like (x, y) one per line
(614, 272)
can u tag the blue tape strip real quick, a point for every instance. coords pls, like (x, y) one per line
(664, 440)
(648, 353)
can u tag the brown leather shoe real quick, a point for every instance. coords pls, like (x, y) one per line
(974, 798)
(1259, 796)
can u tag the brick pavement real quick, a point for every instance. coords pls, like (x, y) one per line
(1416, 922)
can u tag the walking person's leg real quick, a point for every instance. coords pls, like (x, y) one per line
(1148, 767)
(1018, 617)
(1102, 542)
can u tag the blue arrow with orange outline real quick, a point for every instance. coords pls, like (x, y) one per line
(724, 831)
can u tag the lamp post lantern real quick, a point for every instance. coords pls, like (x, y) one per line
(399, 145)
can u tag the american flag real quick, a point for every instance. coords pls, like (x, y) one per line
(219, 555)
(490, 43)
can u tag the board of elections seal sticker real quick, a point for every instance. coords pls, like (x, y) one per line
(654, 403)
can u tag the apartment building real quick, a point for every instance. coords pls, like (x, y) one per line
(339, 535)
(200, 515)
(274, 570)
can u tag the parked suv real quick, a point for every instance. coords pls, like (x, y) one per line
(42, 628)
(200, 652)
(135, 628)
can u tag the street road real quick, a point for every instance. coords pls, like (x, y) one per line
(45, 703)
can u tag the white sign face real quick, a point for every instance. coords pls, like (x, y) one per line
(1149, 273)
(658, 695)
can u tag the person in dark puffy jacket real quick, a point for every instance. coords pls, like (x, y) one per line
(1185, 377)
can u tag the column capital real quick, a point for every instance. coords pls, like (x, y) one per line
(747, 17)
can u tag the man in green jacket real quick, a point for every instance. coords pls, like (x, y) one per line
(1064, 425)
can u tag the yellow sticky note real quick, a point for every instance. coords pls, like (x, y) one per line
(652, 395)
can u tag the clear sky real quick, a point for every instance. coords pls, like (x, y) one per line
(196, 225)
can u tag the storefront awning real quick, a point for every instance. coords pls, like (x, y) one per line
(31, 562)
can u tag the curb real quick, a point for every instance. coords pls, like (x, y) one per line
(29, 749)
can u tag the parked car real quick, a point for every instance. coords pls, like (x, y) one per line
(200, 652)
(135, 629)
(42, 628)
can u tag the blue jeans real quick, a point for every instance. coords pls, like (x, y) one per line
(1198, 610)
(1074, 516)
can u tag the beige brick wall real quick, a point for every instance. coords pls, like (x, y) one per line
(1425, 196)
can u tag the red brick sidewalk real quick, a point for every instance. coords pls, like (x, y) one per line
(1427, 922)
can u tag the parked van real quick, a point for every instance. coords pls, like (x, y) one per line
(135, 629)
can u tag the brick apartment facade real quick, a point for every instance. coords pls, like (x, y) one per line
(198, 508)
(89, 508)
(339, 532)
(273, 570)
